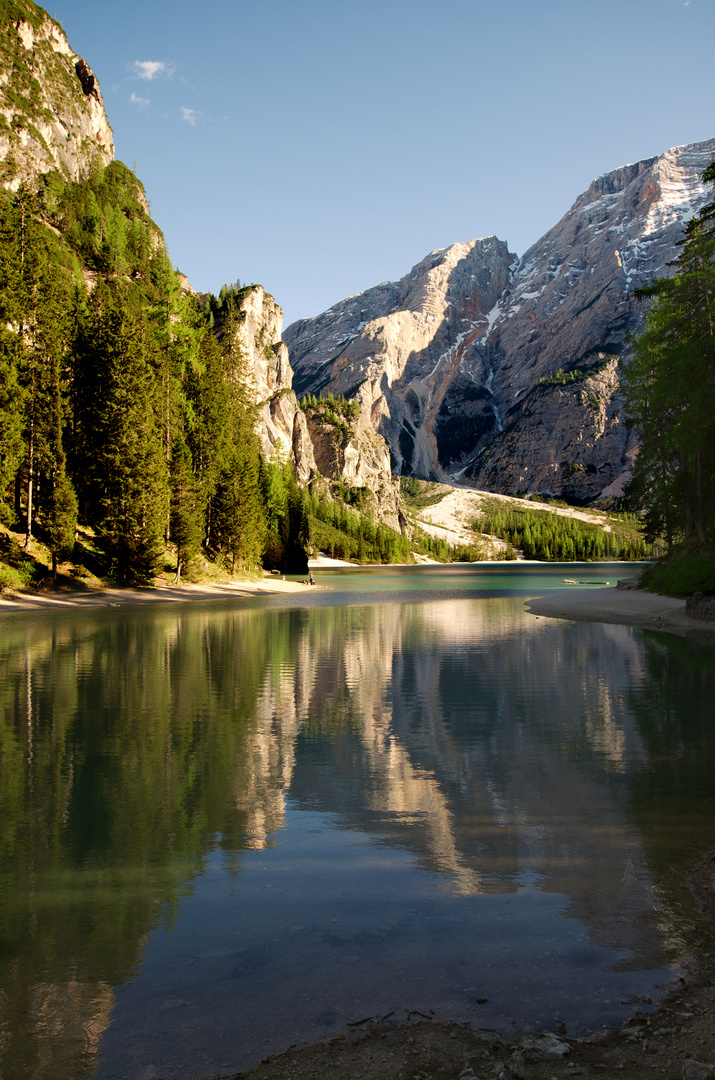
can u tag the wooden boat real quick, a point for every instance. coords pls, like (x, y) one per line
(572, 581)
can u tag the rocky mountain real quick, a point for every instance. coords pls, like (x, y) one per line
(51, 110)
(502, 372)
(343, 449)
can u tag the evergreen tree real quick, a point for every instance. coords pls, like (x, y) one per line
(187, 512)
(118, 445)
(239, 518)
(11, 345)
(670, 389)
(207, 415)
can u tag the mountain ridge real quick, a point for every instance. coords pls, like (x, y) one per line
(567, 303)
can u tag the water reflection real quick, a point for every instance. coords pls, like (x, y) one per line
(224, 807)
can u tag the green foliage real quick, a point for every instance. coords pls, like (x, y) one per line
(552, 537)
(103, 219)
(187, 507)
(17, 567)
(573, 375)
(670, 391)
(441, 550)
(683, 577)
(337, 411)
(123, 464)
(417, 494)
(335, 528)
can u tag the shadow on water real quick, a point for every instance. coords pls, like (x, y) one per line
(226, 829)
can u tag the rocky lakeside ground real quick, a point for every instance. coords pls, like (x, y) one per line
(675, 1040)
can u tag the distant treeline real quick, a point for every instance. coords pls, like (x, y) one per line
(552, 537)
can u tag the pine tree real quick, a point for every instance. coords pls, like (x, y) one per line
(207, 415)
(670, 389)
(12, 396)
(118, 448)
(187, 511)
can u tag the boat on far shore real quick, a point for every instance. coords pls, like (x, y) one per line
(572, 581)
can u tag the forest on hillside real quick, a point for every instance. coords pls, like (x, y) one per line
(126, 403)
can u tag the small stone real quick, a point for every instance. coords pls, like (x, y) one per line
(698, 1070)
(547, 1044)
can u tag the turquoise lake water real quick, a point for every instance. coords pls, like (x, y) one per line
(228, 827)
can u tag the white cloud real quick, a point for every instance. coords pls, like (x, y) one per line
(140, 102)
(191, 116)
(151, 69)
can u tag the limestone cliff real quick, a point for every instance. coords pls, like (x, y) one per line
(51, 109)
(348, 451)
(458, 364)
(406, 351)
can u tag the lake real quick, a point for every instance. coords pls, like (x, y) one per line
(229, 827)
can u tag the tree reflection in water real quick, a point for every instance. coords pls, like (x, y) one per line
(480, 756)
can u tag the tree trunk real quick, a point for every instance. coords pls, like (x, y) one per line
(30, 468)
(702, 528)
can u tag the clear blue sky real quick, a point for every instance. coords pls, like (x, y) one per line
(322, 146)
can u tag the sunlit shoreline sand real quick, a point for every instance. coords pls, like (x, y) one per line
(92, 598)
(631, 607)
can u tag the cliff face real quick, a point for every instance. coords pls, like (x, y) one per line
(351, 452)
(51, 109)
(407, 351)
(456, 364)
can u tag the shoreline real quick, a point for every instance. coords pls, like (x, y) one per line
(674, 1039)
(78, 599)
(629, 607)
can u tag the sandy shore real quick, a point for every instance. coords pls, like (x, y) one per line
(630, 607)
(163, 594)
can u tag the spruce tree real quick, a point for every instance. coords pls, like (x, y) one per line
(187, 510)
(118, 439)
(12, 396)
(670, 389)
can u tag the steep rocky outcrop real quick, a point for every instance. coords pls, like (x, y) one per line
(350, 451)
(282, 426)
(459, 365)
(51, 110)
(353, 453)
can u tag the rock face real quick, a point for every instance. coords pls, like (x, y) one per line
(51, 110)
(407, 351)
(351, 452)
(460, 364)
(282, 426)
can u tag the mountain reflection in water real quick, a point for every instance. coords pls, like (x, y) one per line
(227, 829)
